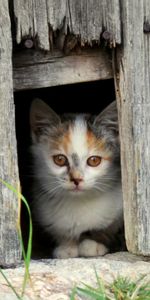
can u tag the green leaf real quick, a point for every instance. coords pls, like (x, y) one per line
(10, 285)
(26, 255)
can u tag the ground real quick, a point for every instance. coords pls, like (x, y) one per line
(55, 279)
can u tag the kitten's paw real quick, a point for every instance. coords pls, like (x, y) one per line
(89, 248)
(66, 251)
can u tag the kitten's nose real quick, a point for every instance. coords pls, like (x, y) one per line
(76, 181)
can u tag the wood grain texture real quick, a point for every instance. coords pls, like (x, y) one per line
(133, 96)
(37, 70)
(9, 244)
(87, 19)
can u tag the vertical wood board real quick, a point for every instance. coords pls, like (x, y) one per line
(87, 19)
(9, 243)
(133, 96)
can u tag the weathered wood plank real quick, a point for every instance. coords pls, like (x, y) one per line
(36, 69)
(133, 96)
(40, 23)
(87, 19)
(9, 244)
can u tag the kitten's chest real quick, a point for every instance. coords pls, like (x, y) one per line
(76, 216)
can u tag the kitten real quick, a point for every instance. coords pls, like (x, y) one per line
(77, 185)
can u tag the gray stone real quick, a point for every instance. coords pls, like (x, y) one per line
(55, 279)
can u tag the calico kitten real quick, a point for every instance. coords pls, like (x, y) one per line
(77, 182)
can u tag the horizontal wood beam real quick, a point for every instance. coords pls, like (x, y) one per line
(34, 70)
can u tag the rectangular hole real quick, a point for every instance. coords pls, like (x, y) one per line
(90, 97)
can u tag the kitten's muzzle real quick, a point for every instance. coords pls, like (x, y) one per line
(76, 181)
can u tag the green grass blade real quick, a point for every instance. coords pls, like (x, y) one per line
(142, 288)
(100, 284)
(92, 293)
(27, 254)
(10, 285)
(74, 292)
(122, 288)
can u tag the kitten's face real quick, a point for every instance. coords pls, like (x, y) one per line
(79, 156)
(79, 159)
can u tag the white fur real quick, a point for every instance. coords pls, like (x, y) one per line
(66, 251)
(78, 137)
(78, 145)
(68, 213)
(75, 215)
(89, 248)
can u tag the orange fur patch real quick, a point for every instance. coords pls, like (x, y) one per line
(66, 140)
(75, 174)
(98, 144)
(63, 140)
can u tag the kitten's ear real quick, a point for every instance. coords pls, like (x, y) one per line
(42, 118)
(108, 118)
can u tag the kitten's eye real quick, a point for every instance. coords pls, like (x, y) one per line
(94, 161)
(60, 160)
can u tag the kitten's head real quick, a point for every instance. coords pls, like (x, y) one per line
(75, 153)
